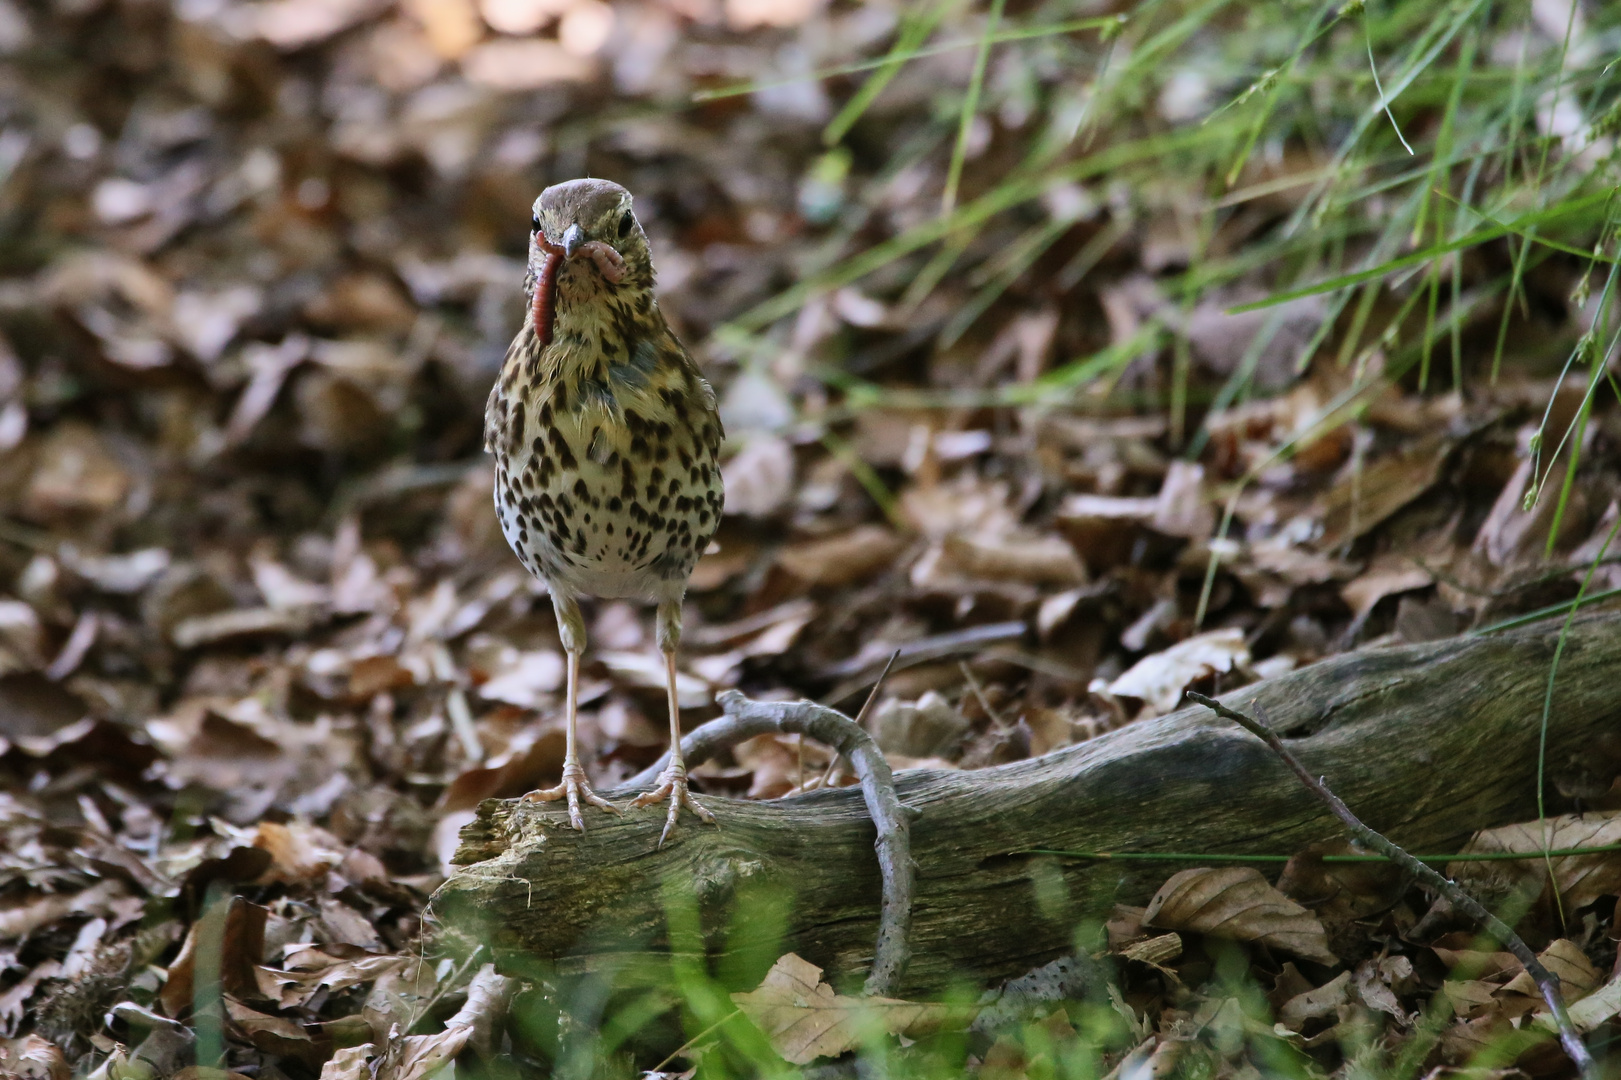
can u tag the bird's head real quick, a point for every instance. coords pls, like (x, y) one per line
(589, 229)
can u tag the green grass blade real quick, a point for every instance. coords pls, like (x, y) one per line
(970, 109)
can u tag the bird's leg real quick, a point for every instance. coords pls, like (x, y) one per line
(673, 780)
(574, 786)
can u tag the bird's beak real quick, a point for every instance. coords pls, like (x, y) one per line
(573, 237)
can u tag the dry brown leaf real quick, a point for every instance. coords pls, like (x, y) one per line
(1386, 577)
(1366, 497)
(14, 1001)
(746, 14)
(1376, 982)
(350, 1063)
(1105, 528)
(273, 1034)
(311, 967)
(843, 559)
(24, 914)
(524, 64)
(1470, 997)
(1456, 952)
(239, 929)
(645, 670)
(294, 24)
(929, 727)
(1596, 1008)
(39, 715)
(527, 680)
(775, 762)
(1034, 559)
(760, 477)
(1317, 1004)
(1565, 960)
(1182, 508)
(1488, 1032)
(33, 1058)
(78, 474)
(452, 26)
(415, 1057)
(1160, 678)
(1236, 902)
(301, 851)
(1581, 879)
(805, 1019)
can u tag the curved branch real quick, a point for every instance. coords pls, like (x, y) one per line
(745, 719)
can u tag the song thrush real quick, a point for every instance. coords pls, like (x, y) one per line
(605, 440)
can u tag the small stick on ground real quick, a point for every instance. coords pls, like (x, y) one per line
(1569, 1038)
(745, 719)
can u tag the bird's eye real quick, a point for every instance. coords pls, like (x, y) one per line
(534, 223)
(625, 223)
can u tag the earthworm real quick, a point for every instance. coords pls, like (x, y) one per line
(546, 288)
(609, 262)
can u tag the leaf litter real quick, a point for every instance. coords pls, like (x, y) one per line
(262, 647)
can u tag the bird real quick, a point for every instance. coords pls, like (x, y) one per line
(606, 441)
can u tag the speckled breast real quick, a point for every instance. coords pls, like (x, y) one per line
(607, 497)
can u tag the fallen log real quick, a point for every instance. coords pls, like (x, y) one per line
(1426, 743)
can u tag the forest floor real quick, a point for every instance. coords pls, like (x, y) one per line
(1095, 353)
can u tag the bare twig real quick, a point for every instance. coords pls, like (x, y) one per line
(745, 719)
(973, 684)
(860, 718)
(1460, 900)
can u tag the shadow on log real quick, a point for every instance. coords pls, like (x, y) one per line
(1426, 743)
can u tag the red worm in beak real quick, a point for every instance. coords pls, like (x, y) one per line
(609, 263)
(546, 289)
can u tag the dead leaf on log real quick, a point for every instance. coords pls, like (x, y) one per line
(1236, 902)
(805, 1019)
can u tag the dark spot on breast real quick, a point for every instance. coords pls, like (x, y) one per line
(562, 451)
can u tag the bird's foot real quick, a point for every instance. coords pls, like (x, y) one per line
(575, 787)
(673, 786)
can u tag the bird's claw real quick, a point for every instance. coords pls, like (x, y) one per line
(673, 786)
(574, 787)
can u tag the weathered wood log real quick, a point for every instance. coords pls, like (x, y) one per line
(1426, 743)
